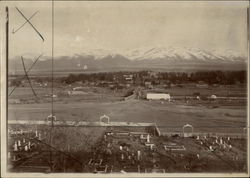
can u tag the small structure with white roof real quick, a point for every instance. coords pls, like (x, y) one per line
(158, 96)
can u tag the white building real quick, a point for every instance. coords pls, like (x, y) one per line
(158, 96)
(77, 93)
(85, 67)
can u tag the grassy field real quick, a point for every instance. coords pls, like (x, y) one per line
(101, 94)
(236, 91)
(166, 115)
(206, 116)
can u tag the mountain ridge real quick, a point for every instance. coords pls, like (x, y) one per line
(157, 57)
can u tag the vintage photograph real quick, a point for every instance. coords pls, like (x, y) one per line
(121, 87)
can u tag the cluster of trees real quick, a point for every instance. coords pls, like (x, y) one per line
(15, 82)
(139, 78)
(209, 77)
(91, 77)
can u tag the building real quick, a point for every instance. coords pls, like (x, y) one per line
(85, 67)
(78, 88)
(158, 96)
(128, 77)
(202, 84)
(148, 84)
(14, 101)
(76, 93)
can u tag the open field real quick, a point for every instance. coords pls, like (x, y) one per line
(91, 91)
(237, 91)
(166, 115)
(227, 116)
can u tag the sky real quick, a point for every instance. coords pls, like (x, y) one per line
(122, 26)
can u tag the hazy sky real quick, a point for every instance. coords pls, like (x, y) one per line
(120, 26)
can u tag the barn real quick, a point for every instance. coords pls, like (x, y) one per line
(158, 96)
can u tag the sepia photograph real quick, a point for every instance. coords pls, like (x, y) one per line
(124, 88)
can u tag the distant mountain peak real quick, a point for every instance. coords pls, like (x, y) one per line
(185, 53)
(159, 57)
(156, 53)
(98, 54)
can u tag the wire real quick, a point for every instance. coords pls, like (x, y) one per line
(24, 68)
(14, 31)
(30, 24)
(27, 73)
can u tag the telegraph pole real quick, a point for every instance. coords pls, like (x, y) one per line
(52, 88)
(7, 69)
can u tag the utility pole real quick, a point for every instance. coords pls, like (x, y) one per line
(7, 68)
(52, 88)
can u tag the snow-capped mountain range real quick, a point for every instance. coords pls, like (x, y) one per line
(149, 53)
(164, 58)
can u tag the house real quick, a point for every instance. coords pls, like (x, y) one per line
(85, 67)
(158, 96)
(202, 84)
(78, 88)
(148, 84)
(153, 74)
(128, 77)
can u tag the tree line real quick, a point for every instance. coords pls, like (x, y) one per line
(209, 77)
